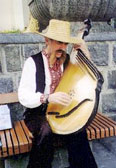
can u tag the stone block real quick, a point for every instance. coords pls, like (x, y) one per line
(30, 49)
(103, 156)
(17, 38)
(109, 144)
(109, 103)
(0, 66)
(6, 85)
(101, 37)
(112, 79)
(114, 53)
(99, 53)
(2, 164)
(19, 161)
(0, 58)
(12, 53)
(16, 110)
(60, 158)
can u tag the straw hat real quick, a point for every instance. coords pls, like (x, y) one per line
(60, 31)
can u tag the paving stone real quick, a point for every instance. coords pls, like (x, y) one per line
(60, 158)
(104, 151)
(19, 161)
(2, 164)
(109, 144)
(104, 158)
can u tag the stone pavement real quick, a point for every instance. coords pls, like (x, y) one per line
(104, 151)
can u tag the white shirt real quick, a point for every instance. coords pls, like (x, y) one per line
(27, 94)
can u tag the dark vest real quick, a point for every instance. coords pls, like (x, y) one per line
(40, 71)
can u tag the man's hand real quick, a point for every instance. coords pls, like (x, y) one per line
(60, 98)
(83, 47)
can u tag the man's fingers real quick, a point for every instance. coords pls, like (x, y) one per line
(60, 98)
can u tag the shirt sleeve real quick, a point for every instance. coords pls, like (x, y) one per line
(27, 94)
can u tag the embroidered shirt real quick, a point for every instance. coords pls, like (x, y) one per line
(55, 72)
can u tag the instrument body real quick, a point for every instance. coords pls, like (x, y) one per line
(83, 82)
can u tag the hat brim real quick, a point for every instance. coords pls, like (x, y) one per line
(73, 40)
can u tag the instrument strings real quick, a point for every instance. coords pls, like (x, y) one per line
(82, 64)
(87, 62)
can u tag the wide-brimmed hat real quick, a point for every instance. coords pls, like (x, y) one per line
(60, 31)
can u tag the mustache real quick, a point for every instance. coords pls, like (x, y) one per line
(61, 51)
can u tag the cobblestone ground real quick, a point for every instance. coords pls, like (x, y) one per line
(104, 152)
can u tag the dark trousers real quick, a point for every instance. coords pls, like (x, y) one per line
(41, 155)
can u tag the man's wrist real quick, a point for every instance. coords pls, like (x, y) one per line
(44, 98)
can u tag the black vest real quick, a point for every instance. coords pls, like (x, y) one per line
(40, 71)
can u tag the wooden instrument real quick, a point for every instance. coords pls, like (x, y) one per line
(83, 82)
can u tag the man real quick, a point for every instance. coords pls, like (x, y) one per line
(41, 75)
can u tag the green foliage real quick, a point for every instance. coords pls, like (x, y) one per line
(12, 31)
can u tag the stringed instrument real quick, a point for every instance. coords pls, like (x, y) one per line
(83, 82)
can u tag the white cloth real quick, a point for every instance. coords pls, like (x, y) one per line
(27, 94)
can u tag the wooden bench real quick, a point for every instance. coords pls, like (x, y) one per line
(19, 140)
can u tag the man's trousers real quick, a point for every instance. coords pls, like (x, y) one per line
(41, 155)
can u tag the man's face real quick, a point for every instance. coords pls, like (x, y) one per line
(56, 47)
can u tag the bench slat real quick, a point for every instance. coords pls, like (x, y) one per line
(27, 133)
(97, 131)
(4, 146)
(99, 121)
(101, 125)
(25, 140)
(15, 141)
(19, 137)
(22, 143)
(104, 130)
(108, 123)
(8, 98)
(100, 132)
(9, 143)
(92, 132)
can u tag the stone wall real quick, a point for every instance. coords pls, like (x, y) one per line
(14, 49)
(103, 52)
